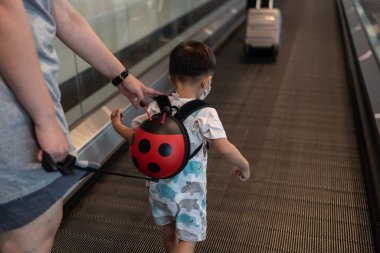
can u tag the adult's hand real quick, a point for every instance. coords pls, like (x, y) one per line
(135, 90)
(52, 140)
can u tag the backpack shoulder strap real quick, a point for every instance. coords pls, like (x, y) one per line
(185, 111)
(163, 101)
(196, 151)
(189, 108)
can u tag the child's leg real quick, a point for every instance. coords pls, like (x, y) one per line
(170, 238)
(185, 247)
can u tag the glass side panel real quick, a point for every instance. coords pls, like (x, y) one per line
(131, 29)
(369, 12)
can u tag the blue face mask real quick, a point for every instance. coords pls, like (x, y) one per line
(206, 91)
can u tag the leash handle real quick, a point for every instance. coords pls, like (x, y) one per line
(65, 167)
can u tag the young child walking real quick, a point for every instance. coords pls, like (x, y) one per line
(178, 204)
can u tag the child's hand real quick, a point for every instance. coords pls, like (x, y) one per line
(116, 117)
(243, 174)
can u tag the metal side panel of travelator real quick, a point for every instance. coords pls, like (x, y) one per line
(294, 122)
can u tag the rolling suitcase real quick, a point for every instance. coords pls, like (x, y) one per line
(263, 31)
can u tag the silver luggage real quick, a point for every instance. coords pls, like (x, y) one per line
(263, 30)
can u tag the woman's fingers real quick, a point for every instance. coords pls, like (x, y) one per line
(151, 92)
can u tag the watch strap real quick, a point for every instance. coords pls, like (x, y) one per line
(119, 79)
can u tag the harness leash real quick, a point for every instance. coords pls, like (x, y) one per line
(67, 167)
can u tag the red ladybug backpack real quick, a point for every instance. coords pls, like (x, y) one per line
(160, 147)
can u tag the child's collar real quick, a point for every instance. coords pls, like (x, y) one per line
(176, 97)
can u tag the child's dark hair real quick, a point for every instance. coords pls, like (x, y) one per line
(191, 59)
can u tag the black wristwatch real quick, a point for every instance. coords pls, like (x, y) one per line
(117, 80)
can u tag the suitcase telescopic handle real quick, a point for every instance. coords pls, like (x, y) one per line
(258, 4)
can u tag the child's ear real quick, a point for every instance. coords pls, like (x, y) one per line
(206, 82)
(203, 84)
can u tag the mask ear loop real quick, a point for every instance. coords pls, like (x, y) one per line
(209, 86)
(142, 104)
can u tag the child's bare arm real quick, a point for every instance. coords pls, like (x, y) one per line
(228, 150)
(116, 118)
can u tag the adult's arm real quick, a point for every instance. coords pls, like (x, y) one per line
(76, 33)
(20, 69)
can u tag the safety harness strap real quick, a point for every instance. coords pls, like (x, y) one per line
(196, 151)
(186, 110)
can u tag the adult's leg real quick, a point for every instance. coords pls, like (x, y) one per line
(185, 247)
(36, 236)
(169, 237)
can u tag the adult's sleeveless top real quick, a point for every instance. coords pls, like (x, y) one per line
(20, 172)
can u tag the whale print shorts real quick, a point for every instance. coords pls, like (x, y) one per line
(182, 200)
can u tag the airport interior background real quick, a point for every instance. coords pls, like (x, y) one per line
(308, 121)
